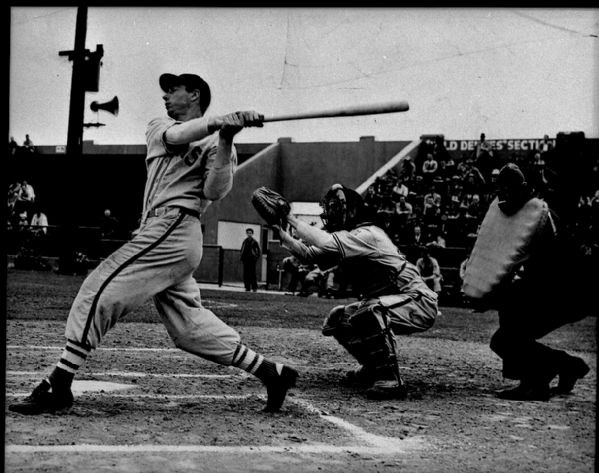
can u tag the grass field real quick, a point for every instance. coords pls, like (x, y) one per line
(142, 405)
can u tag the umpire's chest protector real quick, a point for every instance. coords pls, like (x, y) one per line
(501, 246)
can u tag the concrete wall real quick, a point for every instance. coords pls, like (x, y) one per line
(308, 169)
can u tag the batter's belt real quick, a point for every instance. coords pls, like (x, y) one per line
(161, 211)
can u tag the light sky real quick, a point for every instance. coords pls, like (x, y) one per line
(510, 73)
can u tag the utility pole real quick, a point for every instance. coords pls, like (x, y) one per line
(86, 71)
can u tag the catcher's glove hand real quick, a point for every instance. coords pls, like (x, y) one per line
(271, 206)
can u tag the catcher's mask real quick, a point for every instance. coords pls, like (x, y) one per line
(343, 208)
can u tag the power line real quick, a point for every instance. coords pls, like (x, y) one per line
(551, 25)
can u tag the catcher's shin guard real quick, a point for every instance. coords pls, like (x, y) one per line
(368, 336)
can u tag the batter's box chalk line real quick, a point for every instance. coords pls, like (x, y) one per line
(134, 374)
(368, 443)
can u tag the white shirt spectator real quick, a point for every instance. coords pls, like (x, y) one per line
(39, 222)
(27, 192)
(401, 189)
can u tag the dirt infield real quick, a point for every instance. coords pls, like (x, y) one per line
(143, 406)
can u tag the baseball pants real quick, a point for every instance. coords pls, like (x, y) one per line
(157, 263)
(408, 313)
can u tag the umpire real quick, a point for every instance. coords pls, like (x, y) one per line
(543, 294)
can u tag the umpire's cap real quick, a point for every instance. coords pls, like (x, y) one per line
(191, 82)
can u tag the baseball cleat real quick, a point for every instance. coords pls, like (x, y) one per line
(384, 389)
(276, 389)
(526, 392)
(43, 401)
(567, 379)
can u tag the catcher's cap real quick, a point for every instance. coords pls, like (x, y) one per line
(191, 82)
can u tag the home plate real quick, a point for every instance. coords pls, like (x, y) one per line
(80, 387)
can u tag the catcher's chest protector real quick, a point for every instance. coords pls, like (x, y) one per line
(501, 246)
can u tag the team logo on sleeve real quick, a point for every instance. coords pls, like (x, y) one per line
(192, 155)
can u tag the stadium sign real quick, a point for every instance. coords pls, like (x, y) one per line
(522, 144)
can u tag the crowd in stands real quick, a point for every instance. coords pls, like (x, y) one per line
(435, 199)
(28, 224)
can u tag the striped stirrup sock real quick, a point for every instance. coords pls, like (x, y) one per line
(73, 356)
(250, 361)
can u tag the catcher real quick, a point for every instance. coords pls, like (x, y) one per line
(522, 264)
(393, 298)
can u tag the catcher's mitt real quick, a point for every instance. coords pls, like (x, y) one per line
(271, 206)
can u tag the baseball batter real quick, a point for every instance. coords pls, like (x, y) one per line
(190, 162)
(393, 298)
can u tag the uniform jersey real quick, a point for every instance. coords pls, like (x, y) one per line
(177, 175)
(371, 261)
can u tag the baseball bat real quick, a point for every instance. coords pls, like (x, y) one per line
(349, 111)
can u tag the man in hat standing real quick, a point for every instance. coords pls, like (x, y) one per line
(249, 256)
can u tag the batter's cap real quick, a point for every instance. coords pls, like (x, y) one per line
(191, 82)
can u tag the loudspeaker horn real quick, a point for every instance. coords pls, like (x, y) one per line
(111, 106)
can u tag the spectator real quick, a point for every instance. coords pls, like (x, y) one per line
(450, 167)
(23, 225)
(426, 147)
(28, 144)
(312, 280)
(291, 266)
(485, 161)
(109, 226)
(30, 240)
(14, 191)
(475, 209)
(249, 256)
(408, 169)
(429, 269)
(483, 147)
(400, 189)
(403, 214)
(417, 188)
(438, 240)
(12, 146)
(474, 182)
(464, 166)
(39, 222)
(371, 198)
(537, 174)
(38, 230)
(431, 212)
(433, 197)
(25, 198)
(417, 237)
(453, 217)
(385, 216)
(545, 146)
(429, 168)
